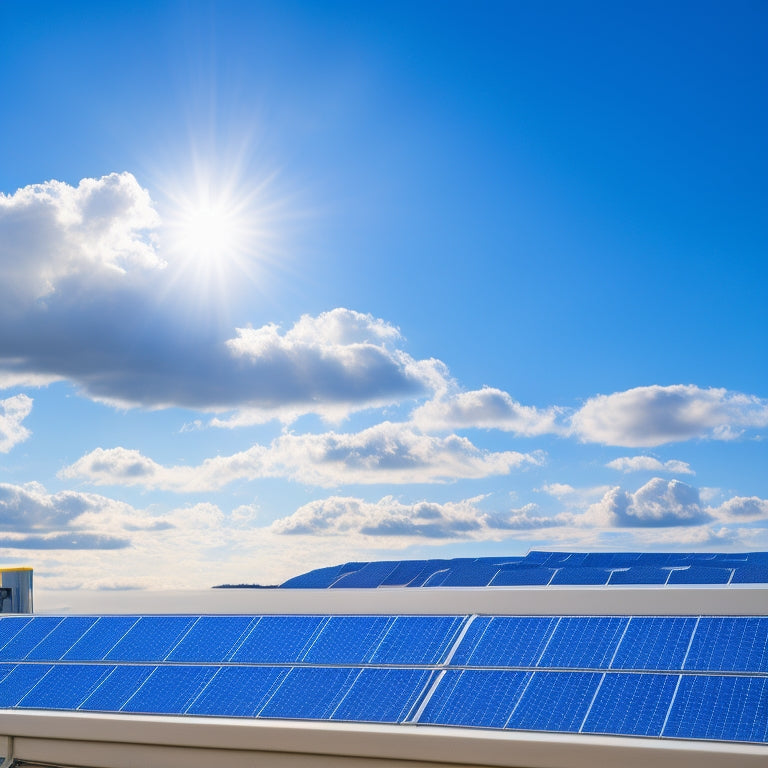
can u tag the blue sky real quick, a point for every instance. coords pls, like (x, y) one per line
(286, 284)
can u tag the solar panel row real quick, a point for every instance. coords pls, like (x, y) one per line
(668, 643)
(545, 569)
(731, 708)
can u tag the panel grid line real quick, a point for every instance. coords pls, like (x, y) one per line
(181, 639)
(549, 640)
(247, 632)
(45, 637)
(202, 690)
(690, 643)
(120, 640)
(671, 704)
(430, 693)
(141, 685)
(618, 645)
(457, 642)
(589, 708)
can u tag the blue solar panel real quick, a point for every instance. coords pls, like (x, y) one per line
(584, 642)
(555, 701)
(750, 574)
(10, 626)
(152, 638)
(640, 575)
(238, 691)
(117, 688)
(521, 576)
(654, 642)
(383, 695)
(310, 693)
(322, 578)
(19, 681)
(169, 690)
(437, 578)
(213, 638)
(66, 686)
(61, 639)
(576, 575)
(404, 573)
(471, 575)
(699, 575)
(720, 707)
(635, 705)
(729, 644)
(473, 697)
(430, 568)
(370, 575)
(279, 639)
(504, 641)
(418, 640)
(348, 640)
(100, 638)
(28, 637)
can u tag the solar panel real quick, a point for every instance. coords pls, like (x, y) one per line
(310, 693)
(238, 691)
(104, 634)
(279, 639)
(522, 576)
(750, 574)
(213, 638)
(631, 704)
(583, 642)
(119, 685)
(504, 641)
(348, 640)
(151, 638)
(471, 697)
(576, 575)
(370, 575)
(28, 637)
(654, 642)
(701, 575)
(169, 690)
(383, 695)
(19, 681)
(418, 640)
(555, 701)
(471, 575)
(65, 686)
(640, 575)
(61, 639)
(721, 707)
(729, 644)
(403, 573)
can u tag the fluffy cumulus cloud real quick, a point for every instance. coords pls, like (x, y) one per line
(86, 296)
(13, 411)
(396, 523)
(385, 453)
(658, 503)
(650, 464)
(649, 416)
(486, 408)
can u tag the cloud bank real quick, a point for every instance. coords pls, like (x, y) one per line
(385, 453)
(13, 411)
(649, 464)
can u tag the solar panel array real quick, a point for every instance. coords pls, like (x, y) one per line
(671, 677)
(545, 569)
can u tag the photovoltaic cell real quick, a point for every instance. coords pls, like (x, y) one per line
(475, 697)
(522, 576)
(728, 708)
(418, 640)
(383, 695)
(151, 639)
(504, 641)
(631, 704)
(370, 575)
(117, 688)
(97, 641)
(66, 686)
(471, 575)
(10, 626)
(279, 639)
(583, 642)
(19, 681)
(321, 578)
(28, 637)
(238, 691)
(212, 638)
(640, 575)
(575, 575)
(61, 639)
(310, 693)
(730, 644)
(555, 701)
(699, 575)
(169, 690)
(404, 573)
(654, 642)
(348, 640)
(750, 574)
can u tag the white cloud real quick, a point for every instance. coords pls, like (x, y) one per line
(396, 523)
(86, 296)
(385, 453)
(741, 509)
(658, 503)
(649, 416)
(13, 411)
(649, 464)
(486, 408)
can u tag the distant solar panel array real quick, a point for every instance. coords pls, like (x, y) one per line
(545, 569)
(671, 677)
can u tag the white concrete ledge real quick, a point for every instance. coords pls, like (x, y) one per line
(682, 600)
(125, 741)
